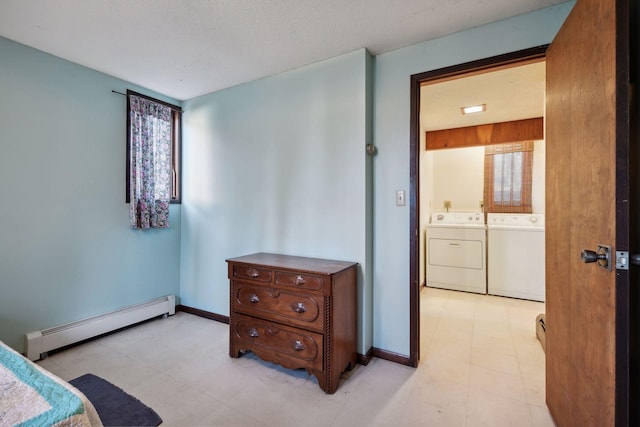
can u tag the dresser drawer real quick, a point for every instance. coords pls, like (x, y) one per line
(252, 273)
(280, 305)
(299, 281)
(281, 344)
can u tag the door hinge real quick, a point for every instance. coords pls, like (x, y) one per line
(622, 260)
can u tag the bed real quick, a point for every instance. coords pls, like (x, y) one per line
(32, 396)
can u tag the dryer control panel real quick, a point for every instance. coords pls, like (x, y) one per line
(471, 218)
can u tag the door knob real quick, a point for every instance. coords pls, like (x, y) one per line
(588, 256)
(602, 256)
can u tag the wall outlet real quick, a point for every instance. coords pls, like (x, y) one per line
(447, 204)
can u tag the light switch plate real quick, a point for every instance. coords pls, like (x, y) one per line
(400, 198)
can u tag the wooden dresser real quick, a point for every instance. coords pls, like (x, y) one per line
(294, 311)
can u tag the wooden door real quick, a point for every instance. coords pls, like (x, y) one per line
(587, 141)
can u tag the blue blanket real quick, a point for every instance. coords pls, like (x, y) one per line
(32, 396)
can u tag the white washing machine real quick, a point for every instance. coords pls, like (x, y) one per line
(456, 252)
(515, 255)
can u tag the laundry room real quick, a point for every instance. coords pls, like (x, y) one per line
(458, 244)
(482, 202)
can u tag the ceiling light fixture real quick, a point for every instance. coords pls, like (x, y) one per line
(473, 109)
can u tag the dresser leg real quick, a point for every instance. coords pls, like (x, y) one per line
(234, 352)
(323, 382)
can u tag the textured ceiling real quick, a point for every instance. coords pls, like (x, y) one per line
(189, 48)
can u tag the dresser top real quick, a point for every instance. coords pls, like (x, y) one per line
(289, 262)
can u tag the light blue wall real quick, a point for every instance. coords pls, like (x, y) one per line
(278, 165)
(66, 250)
(391, 167)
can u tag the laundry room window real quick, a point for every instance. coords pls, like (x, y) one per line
(508, 177)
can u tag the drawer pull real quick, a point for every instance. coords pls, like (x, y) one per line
(299, 308)
(300, 280)
(253, 332)
(252, 272)
(297, 346)
(254, 299)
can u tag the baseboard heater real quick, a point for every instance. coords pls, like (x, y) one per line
(38, 343)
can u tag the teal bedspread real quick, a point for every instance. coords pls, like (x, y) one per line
(32, 396)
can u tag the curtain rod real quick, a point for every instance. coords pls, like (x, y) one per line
(173, 107)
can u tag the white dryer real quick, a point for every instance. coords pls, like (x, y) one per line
(456, 252)
(515, 255)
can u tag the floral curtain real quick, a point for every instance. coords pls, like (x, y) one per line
(150, 163)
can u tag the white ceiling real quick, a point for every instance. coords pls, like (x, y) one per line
(514, 93)
(189, 48)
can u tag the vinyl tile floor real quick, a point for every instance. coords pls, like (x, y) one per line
(481, 365)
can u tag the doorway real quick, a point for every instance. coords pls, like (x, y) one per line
(589, 378)
(416, 221)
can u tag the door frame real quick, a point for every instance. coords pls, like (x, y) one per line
(508, 59)
(633, 348)
(627, 205)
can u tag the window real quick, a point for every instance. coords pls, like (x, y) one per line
(508, 177)
(153, 160)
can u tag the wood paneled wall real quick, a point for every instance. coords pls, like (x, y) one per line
(494, 133)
